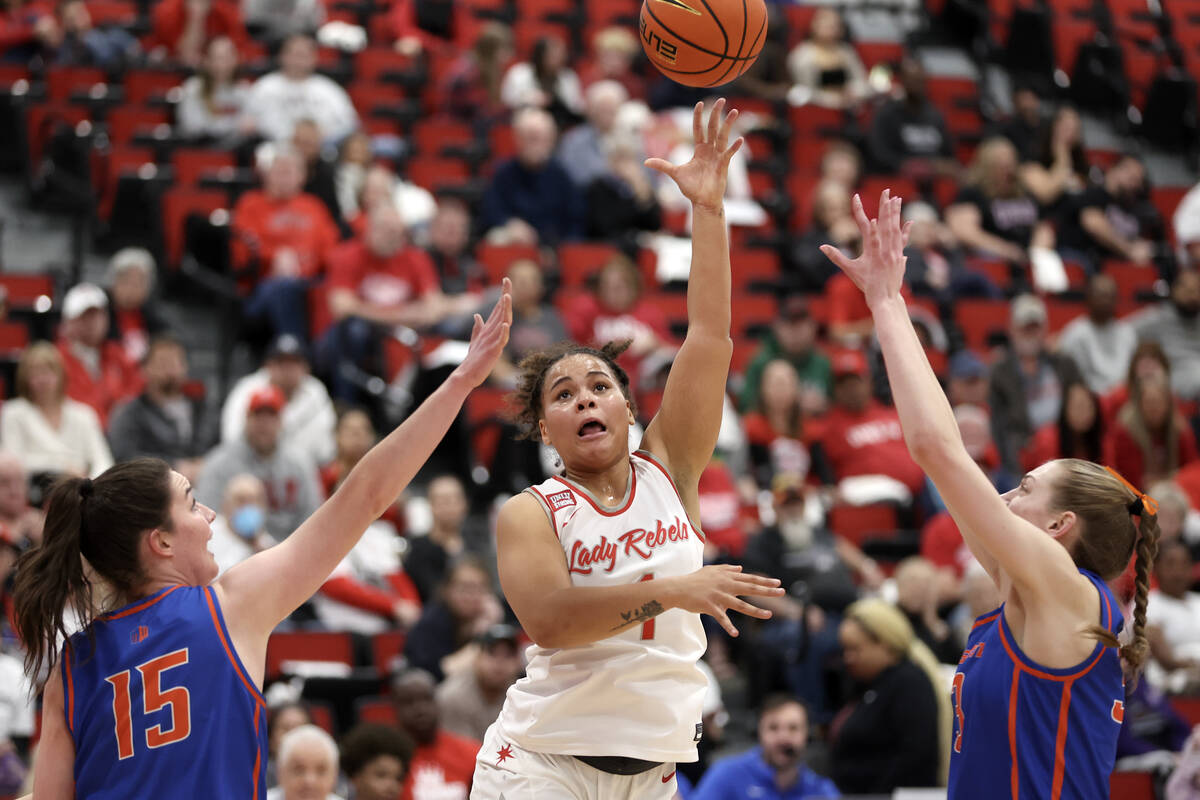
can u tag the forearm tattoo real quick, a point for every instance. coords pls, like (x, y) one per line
(648, 610)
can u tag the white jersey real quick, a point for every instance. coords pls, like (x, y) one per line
(638, 693)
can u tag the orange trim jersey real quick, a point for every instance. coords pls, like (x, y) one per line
(637, 693)
(162, 705)
(1026, 732)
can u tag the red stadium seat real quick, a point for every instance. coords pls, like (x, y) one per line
(799, 20)
(527, 31)
(673, 306)
(41, 121)
(177, 205)
(859, 523)
(981, 320)
(120, 161)
(127, 121)
(754, 270)
(1188, 708)
(578, 261)
(998, 272)
(62, 82)
(385, 648)
(873, 53)
(192, 163)
(753, 313)
(367, 97)
(322, 716)
(816, 121)
(24, 291)
(432, 135)
(438, 174)
(381, 64)
(14, 337)
(485, 409)
(375, 709)
(800, 189)
(1060, 312)
(496, 259)
(307, 646)
(1131, 785)
(871, 188)
(144, 85)
(319, 316)
(1131, 278)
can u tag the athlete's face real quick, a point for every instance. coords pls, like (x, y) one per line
(783, 735)
(380, 779)
(190, 534)
(584, 414)
(308, 774)
(1031, 501)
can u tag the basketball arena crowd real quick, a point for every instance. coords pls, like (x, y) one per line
(335, 186)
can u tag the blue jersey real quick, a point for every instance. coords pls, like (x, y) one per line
(162, 707)
(1027, 732)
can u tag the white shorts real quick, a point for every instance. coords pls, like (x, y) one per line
(504, 771)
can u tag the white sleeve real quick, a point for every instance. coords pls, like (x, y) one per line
(233, 413)
(96, 454)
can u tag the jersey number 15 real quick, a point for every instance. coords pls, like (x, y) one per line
(154, 698)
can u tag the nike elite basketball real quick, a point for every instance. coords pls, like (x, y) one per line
(703, 42)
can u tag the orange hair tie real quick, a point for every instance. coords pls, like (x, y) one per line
(1143, 503)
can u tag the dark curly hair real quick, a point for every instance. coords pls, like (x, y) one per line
(525, 403)
(368, 741)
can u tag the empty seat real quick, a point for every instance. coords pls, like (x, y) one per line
(307, 646)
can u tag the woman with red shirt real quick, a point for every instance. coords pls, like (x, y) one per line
(1079, 432)
(1150, 440)
(775, 430)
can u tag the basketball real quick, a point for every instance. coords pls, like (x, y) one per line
(703, 42)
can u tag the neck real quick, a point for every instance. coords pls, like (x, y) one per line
(609, 484)
(786, 776)
(160, 397)
(445, 533)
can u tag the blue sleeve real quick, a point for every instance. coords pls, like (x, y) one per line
(717, 783)
(826, 789)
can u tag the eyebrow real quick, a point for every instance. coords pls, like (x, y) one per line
(568, 377)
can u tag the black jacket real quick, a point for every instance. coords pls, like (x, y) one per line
(1011, 428)
(141, 428)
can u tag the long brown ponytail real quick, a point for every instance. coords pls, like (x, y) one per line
(101, 521)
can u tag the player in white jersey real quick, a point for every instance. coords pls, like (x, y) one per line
(604, 566)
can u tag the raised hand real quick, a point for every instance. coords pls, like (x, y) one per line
(488, 339)
(879, 271)
(702, 180)
(713, 590)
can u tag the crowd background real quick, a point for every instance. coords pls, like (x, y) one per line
(314, 195)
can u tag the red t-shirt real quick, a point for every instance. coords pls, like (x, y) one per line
(437, 768)
(119, 379)
(942, 543)
(788, 454)
(847, 303)
(1188, 479)
(169, 19)
(263, 226)
(590, 323)
(721, 509)
(870, 443)
(392, 281)
(1124, 455)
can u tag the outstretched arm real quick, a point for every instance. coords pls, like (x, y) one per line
(1002, 541)
(261, 591)
(684, 432)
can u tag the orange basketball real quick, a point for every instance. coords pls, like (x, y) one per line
(703, 42)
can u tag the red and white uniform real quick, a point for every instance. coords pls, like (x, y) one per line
(637, 693)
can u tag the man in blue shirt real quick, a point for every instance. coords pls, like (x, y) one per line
(775, 770)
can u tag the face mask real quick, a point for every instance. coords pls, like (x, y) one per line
(247, 521)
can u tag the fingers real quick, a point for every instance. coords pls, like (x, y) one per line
(836, 256)
(723, 619)
(698, 123)
(860, 217)
(729, 153)
(742, 607)
(477, 327)
(905, 232)
(714, 121)
(661, 165)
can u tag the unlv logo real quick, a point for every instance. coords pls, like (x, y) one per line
(1118, 711)
(560, 500)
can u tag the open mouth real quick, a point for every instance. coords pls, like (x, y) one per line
(591, 429)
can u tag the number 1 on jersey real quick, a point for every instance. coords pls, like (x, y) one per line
(958, 712)
(648, 625)
(154, 697)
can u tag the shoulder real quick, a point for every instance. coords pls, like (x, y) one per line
(519, 511)
(79, 413)
(16, 407)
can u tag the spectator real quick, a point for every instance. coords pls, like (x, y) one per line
(429, 557)
(832, 223)
(355, 156)
(213, 105)
(862, 448)
(919, 597)
(768, 78)
(1058, 171)
(825, 68)
(1151, 724)
(472, 86)
(1177, 519)
(54, 434)
(793, 338)
(295, 92)
(281, 719)
(449, 247)
(1150, 440)
(775, 429)
(375, 760)
(583, 151)
(1027, 126)
(97, 370)
(443, 763)
(290, 478)
(308, 415)
(936, 267)
(182, 29)
(27, 29)
(82, 45)
(353, 436)
(621, 202)
(967, 380)
(1173, 619)
(22, 521)
(377, 282)
(240, 531)
(1186, 223)
(1148, 361)
(381, 188)
(1184, 783)
(133, 317)
(17, 703)
(993, 214)
(616, 311)
(279, 19)
(449, 624)
(470, 699)
(841, 163)
(897, 731)
(1026, 386)
(1107, 220)
(614, 51)
(545, 81)
(319, 172)
(1078, 433)
(530, 199)
(775, 769)
(163, 421)
(1175, 326)
(908, 134)
(536, 324)
(1100, 344)
(308, 765)
(284, 236)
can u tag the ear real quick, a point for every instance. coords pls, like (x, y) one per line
(544, 432)
(629, 413)
(159, 542)
(1063, 524)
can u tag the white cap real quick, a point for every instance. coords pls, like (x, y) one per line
(82, 297)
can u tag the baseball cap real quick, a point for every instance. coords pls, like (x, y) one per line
(794, 307)
(849, 362)
(497, 633)
(965, 364)
(1028, 309)
(266, 398)
(287, 345)
(81, 298)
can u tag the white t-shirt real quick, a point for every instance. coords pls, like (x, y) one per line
(638, 693)
(308, 419)
(277, 103)
(1179, 621)
(374, 556)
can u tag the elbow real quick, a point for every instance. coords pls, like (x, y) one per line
(930, 449)
(547, 632)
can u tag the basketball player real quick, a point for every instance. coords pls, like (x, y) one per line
(604, 567)
(1038, 695)
(159, 697)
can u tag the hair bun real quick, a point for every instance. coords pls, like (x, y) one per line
(1137, 507)
(85, 488)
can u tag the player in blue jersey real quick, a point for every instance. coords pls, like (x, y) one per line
(1038, 695)
(158, 695)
